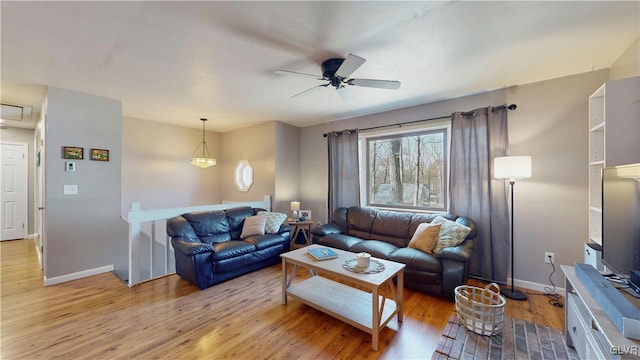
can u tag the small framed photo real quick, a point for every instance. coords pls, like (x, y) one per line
(100, 154)
(72, 152)
(306, 214)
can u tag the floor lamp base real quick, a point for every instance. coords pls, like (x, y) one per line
(514, 294)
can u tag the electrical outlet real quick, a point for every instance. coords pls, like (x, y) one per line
(549, 257)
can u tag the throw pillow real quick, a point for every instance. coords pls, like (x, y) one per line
(425, 237)
(253, 225)
(274, 220)
(451, 233)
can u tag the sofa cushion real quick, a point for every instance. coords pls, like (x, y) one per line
(274, 221)
(232, 248)
(339, 218)
(416, 259)
(180, 227)
(391, 227)
(425, 237)
(339, 241)
(360, 221)
(265, 241)
(253, 225)
(376, 248)
(418, 219)
(235, 217)
(451, 233)
(208, 223)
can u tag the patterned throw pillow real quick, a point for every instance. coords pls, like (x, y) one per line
(253, 225)
(451, 233)
(425, 237)
(274, 220)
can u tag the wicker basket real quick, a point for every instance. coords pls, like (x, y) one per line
(480, 310)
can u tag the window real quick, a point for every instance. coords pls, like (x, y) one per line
(406, 170)
(243, 175)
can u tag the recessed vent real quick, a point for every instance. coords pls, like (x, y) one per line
(15, 112)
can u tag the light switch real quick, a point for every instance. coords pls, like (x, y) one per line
(71, 189)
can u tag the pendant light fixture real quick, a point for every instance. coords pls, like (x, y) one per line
(205, 161)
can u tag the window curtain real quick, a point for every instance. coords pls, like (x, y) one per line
(476, 138)
(344, 185)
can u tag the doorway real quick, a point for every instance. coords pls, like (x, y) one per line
(14, 178)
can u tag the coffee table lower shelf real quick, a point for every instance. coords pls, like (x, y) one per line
(343, 302)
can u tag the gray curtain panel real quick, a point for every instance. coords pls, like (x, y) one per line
(344, 185)
(476, 138)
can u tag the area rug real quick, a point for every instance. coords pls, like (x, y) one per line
(519, 339)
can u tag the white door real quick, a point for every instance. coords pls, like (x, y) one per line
(13, 190)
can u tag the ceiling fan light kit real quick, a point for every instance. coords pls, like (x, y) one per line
(337, 71)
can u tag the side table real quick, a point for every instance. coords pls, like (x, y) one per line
(298, 227)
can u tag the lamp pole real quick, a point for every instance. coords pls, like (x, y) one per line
(513, 293)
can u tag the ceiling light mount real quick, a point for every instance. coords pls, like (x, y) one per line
(205, 160)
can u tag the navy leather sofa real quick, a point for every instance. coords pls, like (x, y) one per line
(209, 250)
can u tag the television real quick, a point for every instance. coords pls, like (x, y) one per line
(621, 218)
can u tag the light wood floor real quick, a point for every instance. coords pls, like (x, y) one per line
(101, 318)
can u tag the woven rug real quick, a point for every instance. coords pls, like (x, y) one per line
(518, 339)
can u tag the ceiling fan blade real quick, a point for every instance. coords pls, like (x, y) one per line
(380, 84)
(350, 64)
(287, 72)
(309, 91)
(345, 93)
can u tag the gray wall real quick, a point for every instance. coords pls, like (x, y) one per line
(257, 145)
(272, 149)
(290, 164)
(83, 231)
(287, 161)
(156, 171)
(628, 65)
(550, 124)
(25, 136)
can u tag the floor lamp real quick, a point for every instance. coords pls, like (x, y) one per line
(512, 168)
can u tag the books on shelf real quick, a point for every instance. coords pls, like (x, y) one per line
(323, 253)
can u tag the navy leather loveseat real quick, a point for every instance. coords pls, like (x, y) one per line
(209, 250)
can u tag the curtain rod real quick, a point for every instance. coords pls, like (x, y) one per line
(500, 107)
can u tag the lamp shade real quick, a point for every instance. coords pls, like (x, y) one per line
(512, 167)
(203, 162)
(295, 206)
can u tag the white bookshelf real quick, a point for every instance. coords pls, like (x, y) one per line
(614, 139)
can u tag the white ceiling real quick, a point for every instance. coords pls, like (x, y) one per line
(176, 62)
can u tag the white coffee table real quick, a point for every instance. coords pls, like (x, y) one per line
(366, 310)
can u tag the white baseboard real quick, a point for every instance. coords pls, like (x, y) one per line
(535, 286)
(77, 275)
(32, 236)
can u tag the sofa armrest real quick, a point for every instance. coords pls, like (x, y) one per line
(190, 248)
(462, 252)
(284, 228)
(324, 230)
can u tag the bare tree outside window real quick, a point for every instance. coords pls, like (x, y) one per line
(407, 170)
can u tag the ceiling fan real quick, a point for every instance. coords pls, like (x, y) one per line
(336, 72)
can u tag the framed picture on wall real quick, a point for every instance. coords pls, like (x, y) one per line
(72, 152)
(100, 154)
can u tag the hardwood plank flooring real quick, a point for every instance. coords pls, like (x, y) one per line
(101, 318)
